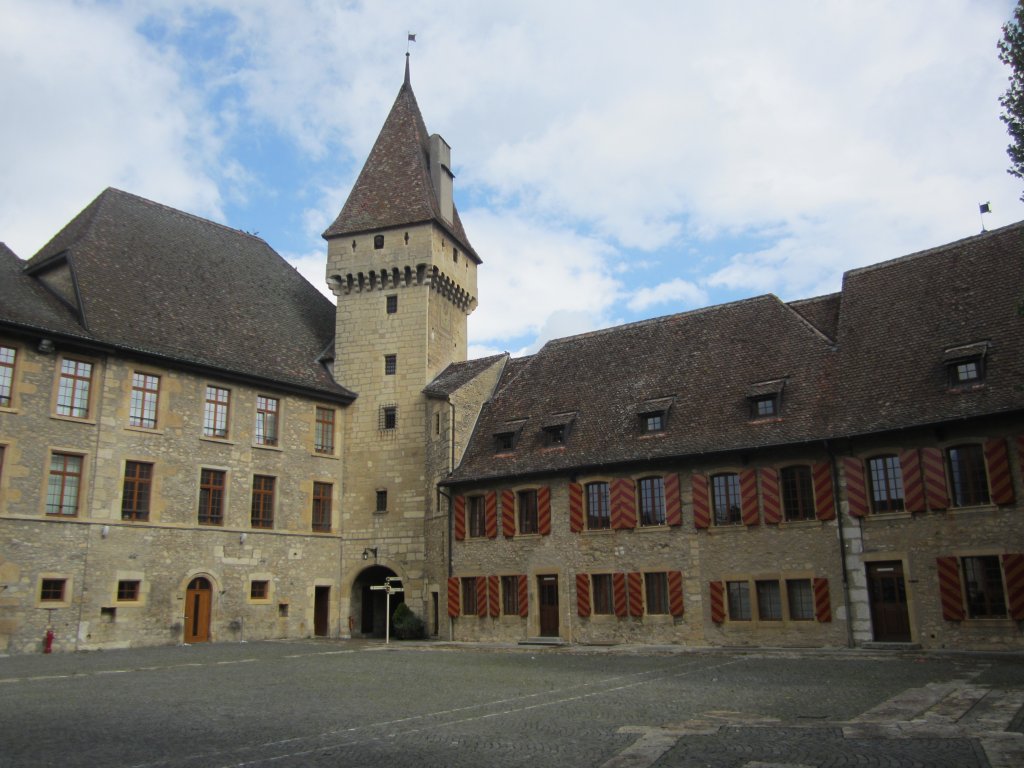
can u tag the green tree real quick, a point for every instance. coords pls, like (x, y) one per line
(1011, 53)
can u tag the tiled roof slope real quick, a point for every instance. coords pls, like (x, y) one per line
(158, 281)
(458, 374)
(822, 312)
(394, 188)
(898, 317)
(26, 303)
(707, 361)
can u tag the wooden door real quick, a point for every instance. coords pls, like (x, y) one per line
(321, 611)
(887, 594)
(547, 591)
(197, 610)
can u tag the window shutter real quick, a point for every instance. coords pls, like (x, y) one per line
(949, 588)
(635, 582)
(623, 503)
(717, 590)
(999, 476)
(1013, 570)
(460, 518)
(824, 500)
(454, 598)
(544, 510)
(491, 514)
(508, 513)
(856, 488)
(583, 595)
(748, 497)
(493, 596)
(701, 506)
(575, 507)
(913, 487)
(619, 593)
(481, 596)
(934, 478)
(673, 501)
(822, 603)
(675, 593)
(524, 604)
(770, 495)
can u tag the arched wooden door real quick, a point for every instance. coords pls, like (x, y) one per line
(197, 610)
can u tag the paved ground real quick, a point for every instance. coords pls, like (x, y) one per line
(322, 703)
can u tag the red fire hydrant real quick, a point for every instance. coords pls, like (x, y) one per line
(48, 642)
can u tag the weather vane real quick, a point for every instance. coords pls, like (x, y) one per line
(983, 208)
(412, 39)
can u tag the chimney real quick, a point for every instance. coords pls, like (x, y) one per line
(441, 175)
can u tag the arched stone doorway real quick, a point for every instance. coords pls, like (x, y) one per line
(369, 605)
(198, 601)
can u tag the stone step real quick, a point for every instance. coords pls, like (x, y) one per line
(542, 641)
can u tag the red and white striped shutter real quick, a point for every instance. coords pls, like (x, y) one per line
(822, 603)
(508, 513)
(950, 592)
(583, 595)
(460, 518)
(824, 499)
(701, 504)
(544, 511)
(748, 497)
(481, 596)
(673, 500)
(856, 487)
(454, 596)
(623, 503)
(675, 593)
(493, 596)
(619, 594)
(524, 597)
(1013, 570)
(1000, 479)
(717, 592)
(635, 582)
(913, 484)
(934, 478)
(771, 502)
(575, 507)
(491, 514)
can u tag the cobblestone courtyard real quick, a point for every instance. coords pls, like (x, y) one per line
(362, 704)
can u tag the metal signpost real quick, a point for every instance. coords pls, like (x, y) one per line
(389, 590)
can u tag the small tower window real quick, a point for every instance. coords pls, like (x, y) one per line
(378, 242)
(388, 417)
(390, 364)
(455, 255)
(382, 501)
(392, 305)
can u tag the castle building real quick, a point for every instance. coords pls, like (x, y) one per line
(196, 445)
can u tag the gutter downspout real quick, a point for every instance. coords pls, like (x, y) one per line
(834, 466)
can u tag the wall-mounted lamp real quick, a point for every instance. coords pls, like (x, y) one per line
(368, 551)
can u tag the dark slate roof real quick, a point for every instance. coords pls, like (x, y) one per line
(394, 188)
(822, 312)
(26, 303)
(156, 281)
(701, 365)
(457, 375)
(899, 317)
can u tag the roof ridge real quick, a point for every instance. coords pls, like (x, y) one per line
(179, 212)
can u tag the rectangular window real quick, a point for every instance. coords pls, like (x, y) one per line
(65, 481)
(322, 506)
(656, 592)
(262, 502)
(323, 441)
(555, 434)
(392, 304)
(652, 422)
(382, 501)
(211, 497)
(797, 493)
(215, 413)
(477, 517)
(601, 593)
(7, 356)
(886, 478)
(145, 395)
(801, 599)
(510, 595)
(388, 417)
(598, 507)
(983, 586)
(652, 501)
(469, 596)
(266, 420)
(504, 441)
(128, 590)
(769, 601)
(739, 600)
(52, 590)
(764, 406)
(527, 511)
(73, 389)
(390, 365)
(259, 590)
(968, 371)
(726, 498)
(138, 480)
(967, 478)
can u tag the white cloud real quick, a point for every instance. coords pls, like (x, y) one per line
(682, 292)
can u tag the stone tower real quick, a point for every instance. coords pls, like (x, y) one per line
(404, 274)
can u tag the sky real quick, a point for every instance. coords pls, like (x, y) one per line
(614, 161)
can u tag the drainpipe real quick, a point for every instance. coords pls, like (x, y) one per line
(833, 464)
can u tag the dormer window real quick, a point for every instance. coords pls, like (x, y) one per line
(764, 406)
(653, 421)
(555, 430)
(504, 441)
(555, 434)
(765, 399)
(965, 366)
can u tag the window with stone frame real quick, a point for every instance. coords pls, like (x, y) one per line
(142, 407)
(323, 439)
(391, 304)
(797, 493)
(128, 590)
(968, 480)
(601, 594)
(651, 491)
(885, 478)
(259, 589)
(267, 410)
(136, 489)
(769, 600)
(215, 412)
(262, 501)
(382, 501)
(321, 517)
(388, 419)
(738, 596)
(800, 597)
(598, 506)
(725, 498)
(64, 484)
(52, 590)
(984, 587)
(477, 516)
(656, 592)
(526, 501)
(468, 585)
(8, 356)
(73, 388)
(212, 485)
(510, 595)
(390, 365)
